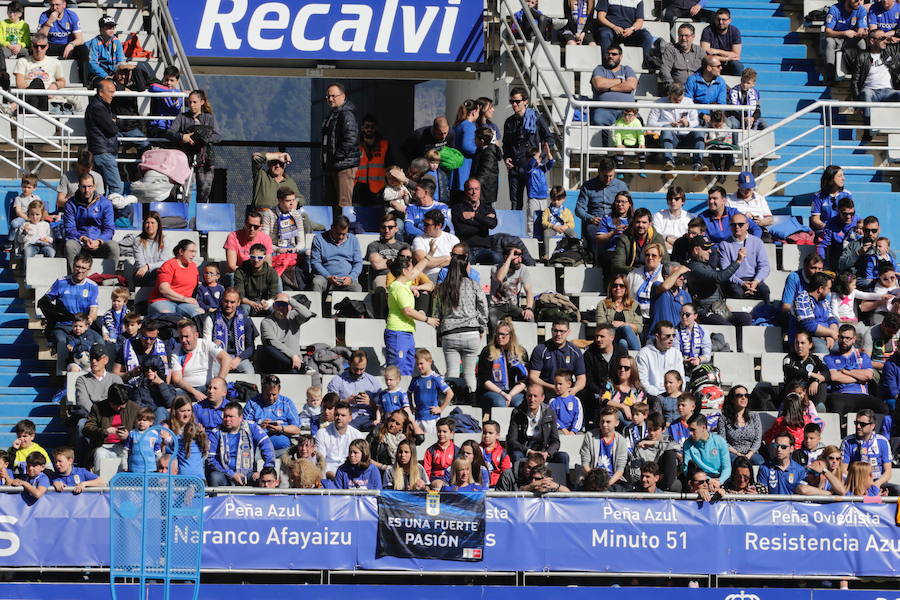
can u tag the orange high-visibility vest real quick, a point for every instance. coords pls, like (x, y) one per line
(371, 168)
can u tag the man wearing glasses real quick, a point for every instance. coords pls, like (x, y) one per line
(780, 475)
(136, 351)
(875, 75)
(38, 71)
(706, 86)
(268, 170)
(658, 357)
(859, 253)
(866, 446)
(523, 130)
(256, 283)
(381, 252)
(851, 371)
(838, 229)
(340, 148)
(749, 279)
(611, 82)
(238, 243)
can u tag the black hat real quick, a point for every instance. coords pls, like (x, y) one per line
(98, 350)
(105, 21)
(701, 241)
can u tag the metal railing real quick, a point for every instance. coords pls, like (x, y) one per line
(577, 135)
(168, 43)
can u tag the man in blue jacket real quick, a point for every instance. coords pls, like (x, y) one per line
(718, 216)
(706, 86)
(233, 447)
(89, 223)
(335, 259)
(105, 52)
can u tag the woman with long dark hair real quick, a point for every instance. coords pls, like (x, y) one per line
(485, 114)
(406, 473)
(742, 428)
(831, 190)
(196, 130)
(176, 283)
(461, 307)
(624, 389)
(792, 420)
(149, 249)
(464, 140)
(383, 442)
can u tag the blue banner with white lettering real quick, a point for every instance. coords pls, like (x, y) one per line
(431, 525)
(363, 30)
(520, 534)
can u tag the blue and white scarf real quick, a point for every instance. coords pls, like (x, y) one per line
(690, 341)
(643, 293)
(220, 332)
(500, 374)
(243, 462)
(530, 120)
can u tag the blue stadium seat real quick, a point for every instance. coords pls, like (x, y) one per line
(367, 216)
(172, 209)
(511, 222)
(319, 214)
(215, 217)
(137, 217)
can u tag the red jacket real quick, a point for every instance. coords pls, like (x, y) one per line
(497, 461)
(437, 460)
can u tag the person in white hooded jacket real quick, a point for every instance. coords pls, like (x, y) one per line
(658, 357)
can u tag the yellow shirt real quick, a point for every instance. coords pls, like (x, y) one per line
(400, 296)
(22, 454)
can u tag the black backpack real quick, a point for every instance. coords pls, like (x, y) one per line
(569, 253)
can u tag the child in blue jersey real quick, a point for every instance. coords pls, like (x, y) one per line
(462, 478)
(358, 472)
(209, 292)
(674, 384)
(193, 448)
(35, 484)
(113, 321)
(538, 191)
(313, 407)
(137, 444)
(68, 475)
(637, 430)
(6, 474)
(429, 393)
(678, 431)
(569, 416)
(391, 398)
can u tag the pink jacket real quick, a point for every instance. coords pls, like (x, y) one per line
(172, 163)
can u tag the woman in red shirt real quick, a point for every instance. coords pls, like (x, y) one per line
(176, 282)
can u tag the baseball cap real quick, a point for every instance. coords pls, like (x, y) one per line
(746, 180)
(105, 21)
(98, 350)
(701, 241)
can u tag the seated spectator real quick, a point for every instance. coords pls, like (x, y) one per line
(596, 197)
(825, 201)
(706, 451)
(34, 236)
(861, 481)
(149, 250)
(622, 311)
(105, 52)
(441, 241)
(15, 34)
(359, 390)
(874, 75)
(681, 59)
(629, 133)
(414, 224)
(844, 28)
(556, 353)
(556, 219)
(672, 222)
(269, 175)
(385, 249)
(633, 245)
(610, 229)
(405, 473)
(860, 253)
(706, 86)
(440, 456)
(24, 445)
(799, 279)
(92, 386)
(257, 283)
(781, 475)
(208, 412)
(63, 30)
(209, 293)
(503, 368)
(622, 23)
(196, 361)
(693, 340)
(107, 426)
(333, 441)
(718, 216)
(473, 221)
(741, 427)
(580, 23)
(358, 471)
(275, 413)
(667, 297)
(68, 181)
(238, 243)
(802, 366)
(750, 202)
(812, 447)
(705, 281)
(134, 352)
(89, 223)
(881, 341)
(884, 15)
(66, 474)
(611, 82)
(653, 454)
(723, 40)
(642, 278)
(395, 426)
(659, 356)
(533, 430)
(176, 283)
(792, 420)
(747, 94)
(851, 372)
(79, 344)
(867, 446)
(523, 25)
(335, 259)
(39, 71)
(605, 448)
(811, 312)
(69, 296)
(233, 447)
(623, 389)
(749, 280)
(162, 105)
(681, 248)
(150, 389)
(510, 285)
(112, 324)
(280, 335)
(569, 413)
(285, 227)
(231, 330)
(836, 231)
(676, 9)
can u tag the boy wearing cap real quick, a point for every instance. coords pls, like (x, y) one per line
(105, 52)
(750, 202)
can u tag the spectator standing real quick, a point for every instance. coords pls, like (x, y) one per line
(749, 281)
(600, 360)
(485, 164)
(485, 116)
(658, 357)
(851, 372)
(622, 23)
(464, 140)
(196, 130)
(538, 190)
(374, 157)
(596, 196)
(612, 82)
(523, 130)
(681, 59)
(510, 284)
(845, 26)
(340, 148)
(335, 259)
(750, 202)
(473, 221)
(105, 52)
(233, 331)
(681, 249)
(233, 447)
(431, 137)
(672, 222)
(686, 119)
(268, 171)
(400, 327)
(502, 368)
(722, 39)
(177, 282)
(89, 224)
(811, 312)
(706, 86)
(39, 71)
(102, 135)
(280, 334)
(669, 296)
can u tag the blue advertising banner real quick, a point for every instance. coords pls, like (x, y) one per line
(363, 30)
(431, 525)
(520, 534)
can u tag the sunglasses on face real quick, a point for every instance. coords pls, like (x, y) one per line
(862, 423)
(739, 224)
(252, 257)
(252, 226)
(624, 367)
(780, 446)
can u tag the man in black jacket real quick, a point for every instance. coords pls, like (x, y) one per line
(874, 73)
(472, 222)
(533, 430)
(437, 135)
(705, 281)
(340, 149)
(103, 135)
(524, 130)
(597, 360)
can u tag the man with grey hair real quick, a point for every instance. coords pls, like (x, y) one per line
(681, 59)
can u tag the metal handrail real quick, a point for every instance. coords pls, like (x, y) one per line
(165, 33)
